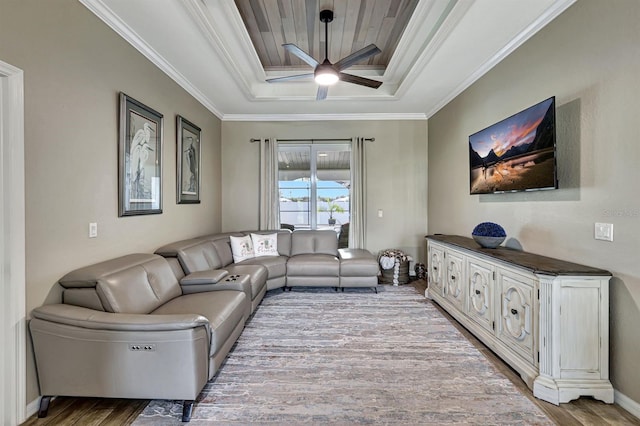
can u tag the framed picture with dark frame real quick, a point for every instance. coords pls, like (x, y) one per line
(139, 159)
(188, 167)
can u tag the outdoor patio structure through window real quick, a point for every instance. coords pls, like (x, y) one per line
(314, 182)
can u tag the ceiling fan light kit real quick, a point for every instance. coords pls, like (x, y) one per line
(326, 73)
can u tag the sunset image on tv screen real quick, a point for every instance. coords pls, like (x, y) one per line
(516, 154)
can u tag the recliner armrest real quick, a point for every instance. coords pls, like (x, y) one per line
(211, 276)
(354, 253)
(88, 318)
(215, 280)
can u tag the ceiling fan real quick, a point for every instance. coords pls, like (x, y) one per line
(326, 73)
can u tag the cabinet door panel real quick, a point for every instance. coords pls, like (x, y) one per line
(517, 313)
(580, 327)
(480, 304)
(435, 268)
(454, 288)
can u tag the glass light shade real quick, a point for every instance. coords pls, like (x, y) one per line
(325, 75)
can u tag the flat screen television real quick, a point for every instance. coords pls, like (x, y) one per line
(517, 153)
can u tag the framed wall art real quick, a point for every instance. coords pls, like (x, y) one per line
(188, 167)
(139, 159)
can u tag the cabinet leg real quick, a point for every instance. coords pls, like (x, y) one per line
(44, 406)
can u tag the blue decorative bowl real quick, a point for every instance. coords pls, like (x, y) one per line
(488, 242)
(489, 234)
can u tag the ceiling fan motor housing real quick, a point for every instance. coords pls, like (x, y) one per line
(326, 16)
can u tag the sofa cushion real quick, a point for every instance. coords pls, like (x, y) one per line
(313, 265)
(357, 263)
(223, 248)
(200, 256)
(310, 242)
(133, 284)
(276, 266)
(224, 309)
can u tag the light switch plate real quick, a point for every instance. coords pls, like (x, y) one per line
(93, 230)
(604, 231)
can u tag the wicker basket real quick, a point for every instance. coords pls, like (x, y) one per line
(402, 260)
(403, 275)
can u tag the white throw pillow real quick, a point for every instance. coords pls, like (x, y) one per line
(242, 248)
(265, 244)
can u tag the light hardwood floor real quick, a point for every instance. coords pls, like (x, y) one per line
(101, 412)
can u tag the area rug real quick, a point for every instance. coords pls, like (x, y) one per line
(323, 357)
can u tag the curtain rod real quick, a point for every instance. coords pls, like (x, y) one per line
(252, 140)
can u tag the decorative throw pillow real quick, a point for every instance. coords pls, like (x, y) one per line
(265, 244)
(242, 248)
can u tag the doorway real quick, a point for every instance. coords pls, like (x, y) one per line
(12, 248)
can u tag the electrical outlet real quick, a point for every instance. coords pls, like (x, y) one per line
(380, 214)
(93, 230)
(604, 231)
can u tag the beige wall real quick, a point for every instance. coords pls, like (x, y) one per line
(396, 175)
(74, 66)
(589, 58)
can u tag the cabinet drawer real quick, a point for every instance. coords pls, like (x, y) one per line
(517, 318)
(480, 292)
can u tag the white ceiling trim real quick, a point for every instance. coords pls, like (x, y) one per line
(413, 45)
(549, 15)
(447, 25)
(324, 117)
(229, 24)
(102, 11)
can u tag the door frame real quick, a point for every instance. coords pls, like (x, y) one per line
(13, 330)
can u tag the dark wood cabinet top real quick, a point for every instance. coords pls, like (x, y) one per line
(532, 262)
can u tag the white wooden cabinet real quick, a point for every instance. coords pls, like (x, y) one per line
(547, 318)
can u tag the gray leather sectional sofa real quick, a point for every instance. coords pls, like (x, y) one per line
(159, 326)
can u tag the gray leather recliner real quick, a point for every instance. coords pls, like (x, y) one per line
(126, 329)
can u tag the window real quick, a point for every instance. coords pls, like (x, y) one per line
(313, 182)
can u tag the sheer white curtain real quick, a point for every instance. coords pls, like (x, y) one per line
(358, 191)
(269, 194)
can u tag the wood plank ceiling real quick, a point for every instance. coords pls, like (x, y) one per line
(356, 24)
(299, 160)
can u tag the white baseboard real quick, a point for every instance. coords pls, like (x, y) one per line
(33, 406)
(627, 403)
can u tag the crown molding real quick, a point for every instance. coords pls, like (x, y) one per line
(218, 29)
(325, 117)
(104, 13)
(549, 15)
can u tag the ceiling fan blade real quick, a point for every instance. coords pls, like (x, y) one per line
(357, 56)
(289, 78)
(292, 48)
(362, 81)
(322, 93)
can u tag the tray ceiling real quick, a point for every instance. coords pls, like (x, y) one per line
(356, 24)
(222, 51)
